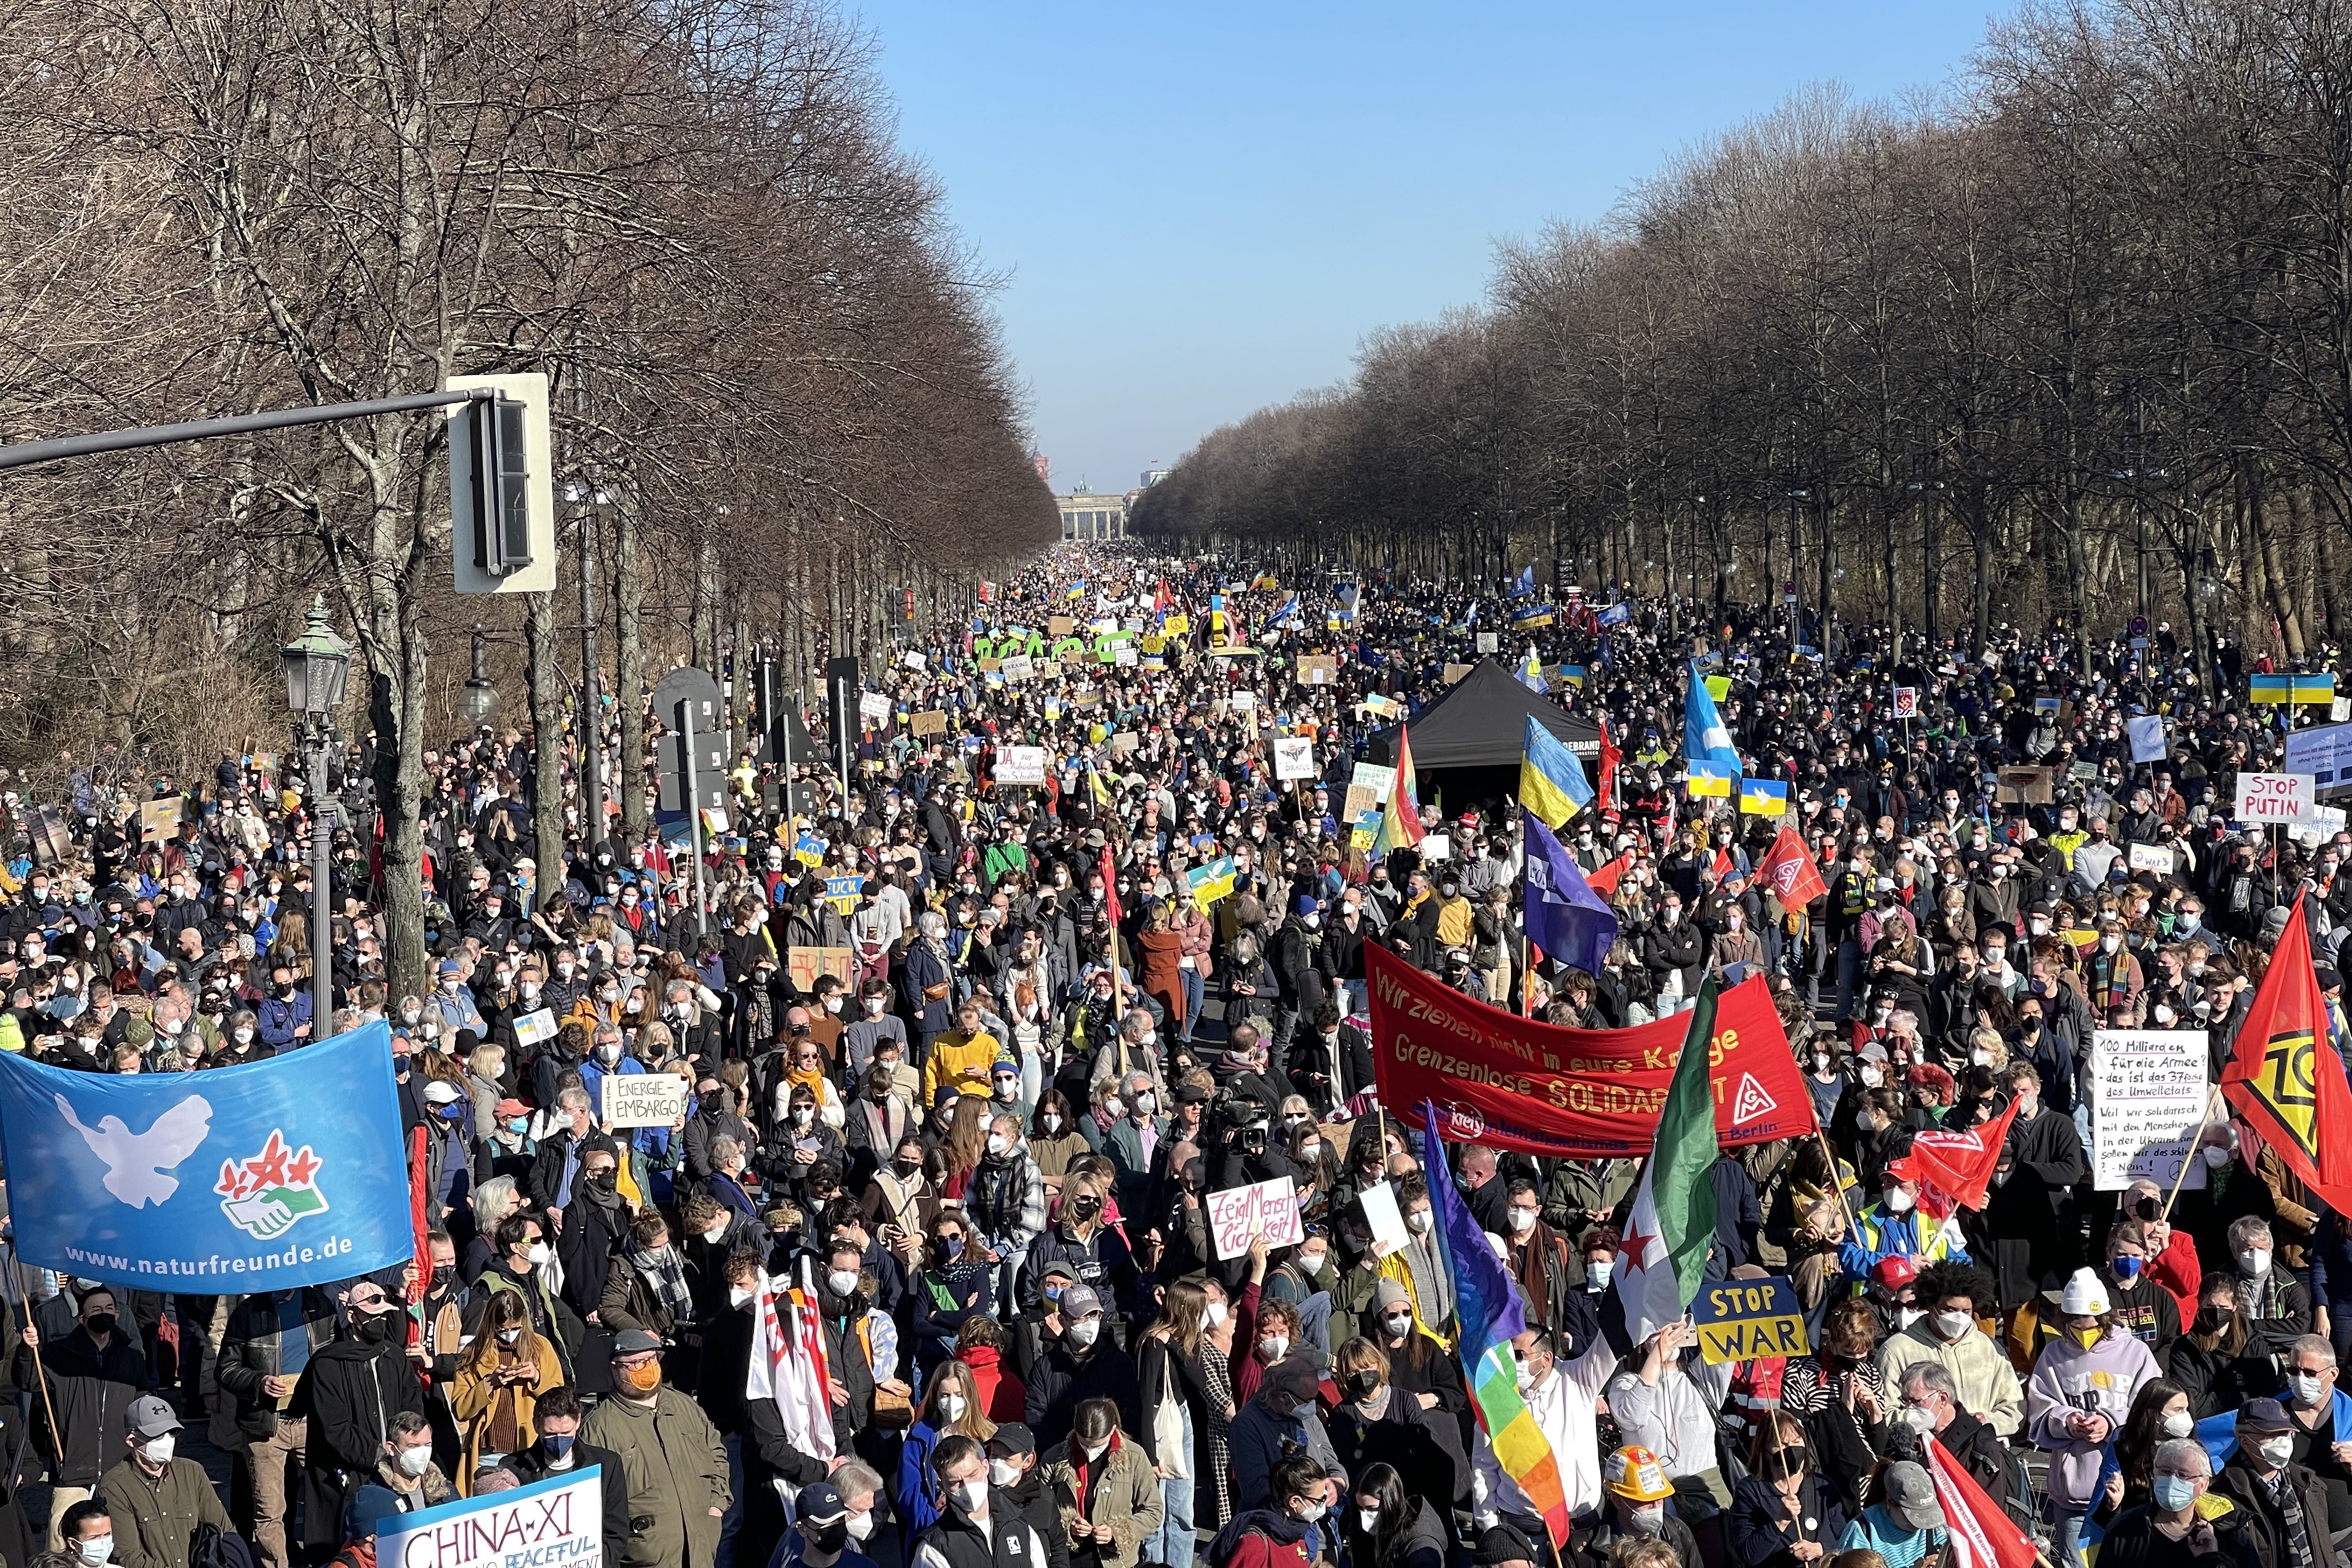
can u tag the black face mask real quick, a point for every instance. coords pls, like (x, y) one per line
(442, 1274)
(1365, 1381)
(98, 1324)
(373, 1331)
(828, 1537)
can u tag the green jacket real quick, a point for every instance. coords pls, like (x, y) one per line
(676, 1466)
(155, 1517)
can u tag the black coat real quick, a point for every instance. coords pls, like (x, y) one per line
(349, 1392)
(1060, 1380)
(92, 1390)
(531, 1466)
(1760, 1532)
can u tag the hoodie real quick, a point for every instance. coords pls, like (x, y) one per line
(2101, 1380)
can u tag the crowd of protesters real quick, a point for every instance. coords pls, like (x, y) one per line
(981, 1126)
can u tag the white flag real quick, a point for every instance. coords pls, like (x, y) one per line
(788, 1366)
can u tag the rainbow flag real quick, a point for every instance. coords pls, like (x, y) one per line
(1400, 824)
(1490, 1316)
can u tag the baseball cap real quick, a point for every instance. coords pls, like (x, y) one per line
(1011, 1438)
(1078, 1301)
(1911, 1496)
(440, 1091)
(451, 966)
(820, 1504)
(2264, 1416)
(151, 1417)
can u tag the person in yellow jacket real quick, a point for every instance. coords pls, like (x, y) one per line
(962, 1058)
(500, 1381)
(1454, 916)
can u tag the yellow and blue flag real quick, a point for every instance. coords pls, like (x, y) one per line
(1763, 797)
(1531, 675)
(1704, 738)
(1709, 780)
(2291, 688)
(1552, 786)
(1211, 882)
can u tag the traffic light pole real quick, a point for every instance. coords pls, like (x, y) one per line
(26, 453)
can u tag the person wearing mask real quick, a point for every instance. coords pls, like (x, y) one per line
(1659, 1406)
(560, 1453)
(1014, 1470)
(1951, 1295)
(2144, 1308)
(1105, 1492)
(2159, 1411)
(1280, 1421)
(501, 1378)
(524, 1255)
(1131, 1141)
(951, 1403)
(2172, 1529)
(92, 1376)
(350, 1394)
(977, 1526)
(88, 1531)
(2321, 1412)
(2283, 1505)
(1280, 1530)
(407, 1470)
(1005, 1201)
(1928, 1405)
(2083, 1386)
(2030, 1212)
(1637, 1505)
(671, 1456)
(1084, 1364)
(1783, 1515)
(962, 1058)
(155, 1500)
(1894, 1227)
(266, 1346)
(2273, 1304)
(1384, 1526)
(2213, 1361)
(1083, 1244)
(826, 1533)
(1563, 1398)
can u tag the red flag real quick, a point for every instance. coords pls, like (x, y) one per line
(1790, 872)
(1602, 879)
(1606, 788)
(2285, 1079)
(1110, 896)
(1722, 867)
(1955, 1167)
(1980, 1524)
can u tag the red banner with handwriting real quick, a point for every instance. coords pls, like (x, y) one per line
(1510, 1082)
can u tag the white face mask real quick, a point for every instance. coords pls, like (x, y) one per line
(861, 1525)
(715, 1233)
(1082, 1332)
(998, 1143)
(1000, 1473)
(1312, 1262)
(160, 1449)
(973, 1495)
(95, 1552)
(1369, 1518)
(1270, 1351)
(1146, 1102)
(1523, 1220)
(1919, 1419)
(950, 1407)
(415, 1461)
(740, 1295)
(1419, 1220)
(2214, 1156)
(1952, 1325)
(1051, 1122)
(540, 1255)
(1897, 1201)
(2303, 1387)
(1871, 1077)
(842, 1282)
(2180, 1423)
(506, 1336)
(1398, 1325)
(2276, 1451)
(1596, 1273)
(245, 1036)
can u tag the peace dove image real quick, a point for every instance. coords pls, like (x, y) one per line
(135, 1162)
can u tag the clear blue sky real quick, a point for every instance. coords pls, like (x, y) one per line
(1203, 207)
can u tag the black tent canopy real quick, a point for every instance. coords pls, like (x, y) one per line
(1482, 722)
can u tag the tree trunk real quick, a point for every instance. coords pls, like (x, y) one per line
(547, 747)
(629, 661)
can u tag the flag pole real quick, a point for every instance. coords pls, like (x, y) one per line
(25, 1294)
(2182, 1178)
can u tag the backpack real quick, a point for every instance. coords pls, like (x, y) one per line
(213, 1547)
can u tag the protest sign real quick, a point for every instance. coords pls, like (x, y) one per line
(260, 1178)
(1368, 787)
(1377, 706)
(1021, 765)
(2026, 786)
(1125, 743)
(1749, 1319)
(1454, 672)
(1243, 701)
(1317, 669)
(1060, 626)
(2267, 798)
(874, 709)
(1437, 846)
(2148, 1095)
(51, 840)
(2324, 823)
(2146, 731)
(1239, 1215)
(1381, 1212)
(2151, 857)
(806, 964)
(533, 1030)
(2324, 752)
(557, 1521)
(1512, 1083)
(932, 721)
(1020, 667)
(842, 893)
(159, 820)
(642, 1098)
(1293, 758)
(1489, 642)
(1176, 626)
(1906, 702)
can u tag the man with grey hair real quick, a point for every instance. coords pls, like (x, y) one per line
(2181, 1472)
(2273, 1303)
(2312, 1404)
(1927, 1403)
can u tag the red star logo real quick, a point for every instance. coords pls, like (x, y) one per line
(1636, 1250)
(268, 1170)
(298, 1175)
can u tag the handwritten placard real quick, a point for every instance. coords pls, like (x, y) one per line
(1239, 1215)
(805, 965)
(642, 1098)
(2149, 1096)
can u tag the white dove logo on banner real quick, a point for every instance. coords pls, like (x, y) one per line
(136, 1162)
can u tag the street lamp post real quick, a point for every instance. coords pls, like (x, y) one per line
(317, 666)
(478, 703)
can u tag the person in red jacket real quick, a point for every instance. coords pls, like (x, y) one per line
(1280, 1536)
(2171, 1253)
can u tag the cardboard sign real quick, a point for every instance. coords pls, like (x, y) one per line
(1489, 642)
(159, 820)
(1377, 706)
(1317, 669)
(1239, 1215)
(1906, 702)
(2151, 857)
(915, 659)
(2029, 787)
(1176, 626)
(1243, 701)
(1021, 765)
(1060, 626)
(874, 709)
(1293, 758)
(1020, 667)
(1454, 672)
(1749, 1319)
(1368, 787)
(930, 722)
(2149, 1098)
(1126, 742)
(533, 1030)
(558, 1521)
(642, 1098)
(2272, 798)
(805, 965)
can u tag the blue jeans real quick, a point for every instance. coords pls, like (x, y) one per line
(1193, 992)
(2065, 1537)
(1174, 1542)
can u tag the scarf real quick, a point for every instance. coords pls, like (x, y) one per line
(661, 1269)
(1079, 1465)
(2298, 1531)
(1536, 1260)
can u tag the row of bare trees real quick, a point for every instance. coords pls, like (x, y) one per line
(778, 391)
(2073, 340)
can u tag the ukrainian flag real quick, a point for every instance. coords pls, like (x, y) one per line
(2291, 688)
(1078, 589)
(1211, 882)
(1552, 780)
(1573, 674)
(1707, 780)
(1763, 797)
(1531, 675)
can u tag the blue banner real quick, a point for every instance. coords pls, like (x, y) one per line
(261, 1177)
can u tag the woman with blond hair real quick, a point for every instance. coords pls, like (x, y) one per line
(951, 1403)
(501, 1380)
